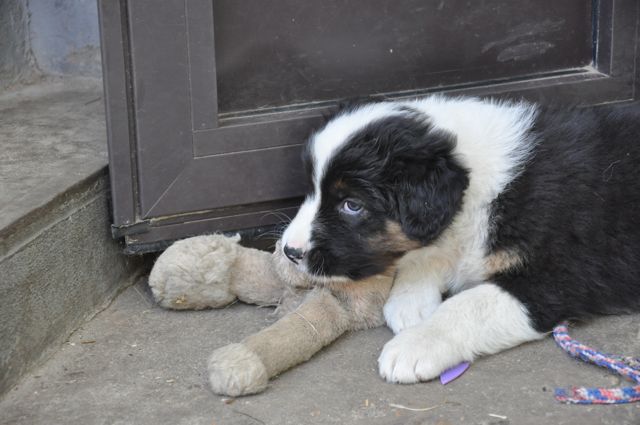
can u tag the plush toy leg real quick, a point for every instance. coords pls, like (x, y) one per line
(254, 279)
(364, 300)
(245, 368)
(211, 271)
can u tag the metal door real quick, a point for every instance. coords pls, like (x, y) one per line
(209, 101)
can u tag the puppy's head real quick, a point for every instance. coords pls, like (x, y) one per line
(384, 182)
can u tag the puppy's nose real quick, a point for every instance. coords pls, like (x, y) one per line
(293, 254)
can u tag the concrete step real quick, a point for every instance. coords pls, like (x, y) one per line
(135, 363)
(58, 262)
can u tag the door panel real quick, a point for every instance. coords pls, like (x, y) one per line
(235, 179)
(297, 52)
(209, 102)
(160, 67)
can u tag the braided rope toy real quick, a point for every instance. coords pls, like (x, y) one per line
(628, 367)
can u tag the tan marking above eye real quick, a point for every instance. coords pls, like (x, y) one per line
(340, 184)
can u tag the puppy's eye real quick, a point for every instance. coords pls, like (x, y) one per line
(351, 207)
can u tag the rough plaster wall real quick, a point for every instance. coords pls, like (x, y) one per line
(48, 37)
(17, 62)
(64, 36)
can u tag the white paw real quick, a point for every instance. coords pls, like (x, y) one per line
(408, 309)
(417, 355)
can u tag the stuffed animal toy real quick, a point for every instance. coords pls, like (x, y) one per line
(213, 271)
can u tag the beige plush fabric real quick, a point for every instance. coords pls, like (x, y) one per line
(195, 273)
(318, 321)
(212, 271)
(254, 279)
(300, 334)
(236, 370)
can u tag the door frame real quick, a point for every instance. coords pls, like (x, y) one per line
(144, 207)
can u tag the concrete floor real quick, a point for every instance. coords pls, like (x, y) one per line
(135, 363)
(53, 135)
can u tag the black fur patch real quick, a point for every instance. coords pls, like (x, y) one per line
(574, 213)
(401, 170)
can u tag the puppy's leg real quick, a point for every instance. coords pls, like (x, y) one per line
(416, 292)
(481, 320)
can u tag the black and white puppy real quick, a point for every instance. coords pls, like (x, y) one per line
(526, 215)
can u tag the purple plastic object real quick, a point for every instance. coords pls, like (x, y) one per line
(451, 374)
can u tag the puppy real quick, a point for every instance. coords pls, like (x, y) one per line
(524, 215)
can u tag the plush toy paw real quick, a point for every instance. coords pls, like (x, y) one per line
(194, 273)
(235, 370)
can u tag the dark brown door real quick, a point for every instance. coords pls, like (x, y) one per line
(209, 101)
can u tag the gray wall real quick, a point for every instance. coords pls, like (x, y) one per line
(64, 36)
(16, 60)
(48, 37)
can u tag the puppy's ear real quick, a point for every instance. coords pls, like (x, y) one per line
(429, 186)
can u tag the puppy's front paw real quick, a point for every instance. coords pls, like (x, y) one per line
(416, 355)
(408, 309)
